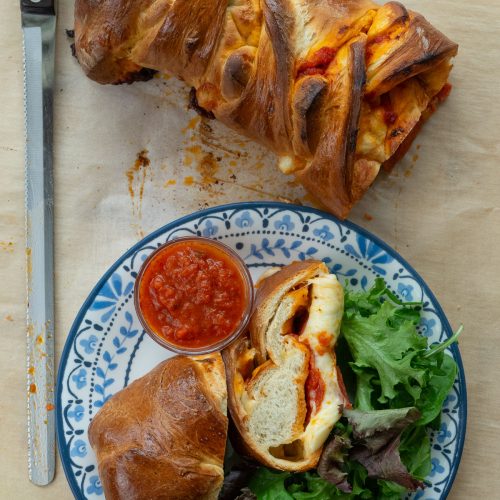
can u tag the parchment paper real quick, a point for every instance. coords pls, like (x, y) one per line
(439, 208)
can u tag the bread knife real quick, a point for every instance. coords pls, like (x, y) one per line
(39, 25)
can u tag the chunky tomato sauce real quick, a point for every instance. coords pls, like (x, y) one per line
(192, 294)
(318, 63)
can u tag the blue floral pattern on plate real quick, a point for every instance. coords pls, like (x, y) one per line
(106, 348)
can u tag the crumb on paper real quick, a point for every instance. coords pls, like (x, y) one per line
(188, 180)
(50, 407)
(414, 158)
(418, 147)
(407, 172)
(367, 216)
(31, 370)
(32, 388)
(39, 339)
(9, 318)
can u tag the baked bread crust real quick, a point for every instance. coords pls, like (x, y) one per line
(333, 87)
(164, 435)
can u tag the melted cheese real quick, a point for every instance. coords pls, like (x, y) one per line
(323, 326)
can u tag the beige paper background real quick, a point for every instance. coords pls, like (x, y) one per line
(439, 208)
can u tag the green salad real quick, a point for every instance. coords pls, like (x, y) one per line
(397, 384)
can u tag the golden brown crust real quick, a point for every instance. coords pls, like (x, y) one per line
(271, 292)
(332, 167)
(164, 436)
(294, 75)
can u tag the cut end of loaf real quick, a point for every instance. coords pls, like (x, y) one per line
(283, 385)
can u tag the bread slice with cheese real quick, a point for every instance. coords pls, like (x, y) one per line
(285, 393)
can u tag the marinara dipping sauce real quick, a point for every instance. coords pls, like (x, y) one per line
(194, 295)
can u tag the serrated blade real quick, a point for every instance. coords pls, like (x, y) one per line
(39, 40)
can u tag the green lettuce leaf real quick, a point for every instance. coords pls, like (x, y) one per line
(317, 488)
(270, 485)
(389, 490)
(387, 343)
(431, 400)
(415, 451)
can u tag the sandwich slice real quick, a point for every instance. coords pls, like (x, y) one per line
(285, 392)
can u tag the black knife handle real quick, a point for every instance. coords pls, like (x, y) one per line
(46, 7)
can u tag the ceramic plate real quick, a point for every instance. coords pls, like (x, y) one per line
(106, 348)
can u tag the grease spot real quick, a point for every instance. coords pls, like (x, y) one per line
(196, 150)
(7, 246)
(208, 168)
(191, 124)
(29, 264)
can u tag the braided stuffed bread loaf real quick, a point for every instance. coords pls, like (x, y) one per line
(336, 88)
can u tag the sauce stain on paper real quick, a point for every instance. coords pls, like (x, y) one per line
(408, 171)
(191, 124)
(212, 155)
(136, 177)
